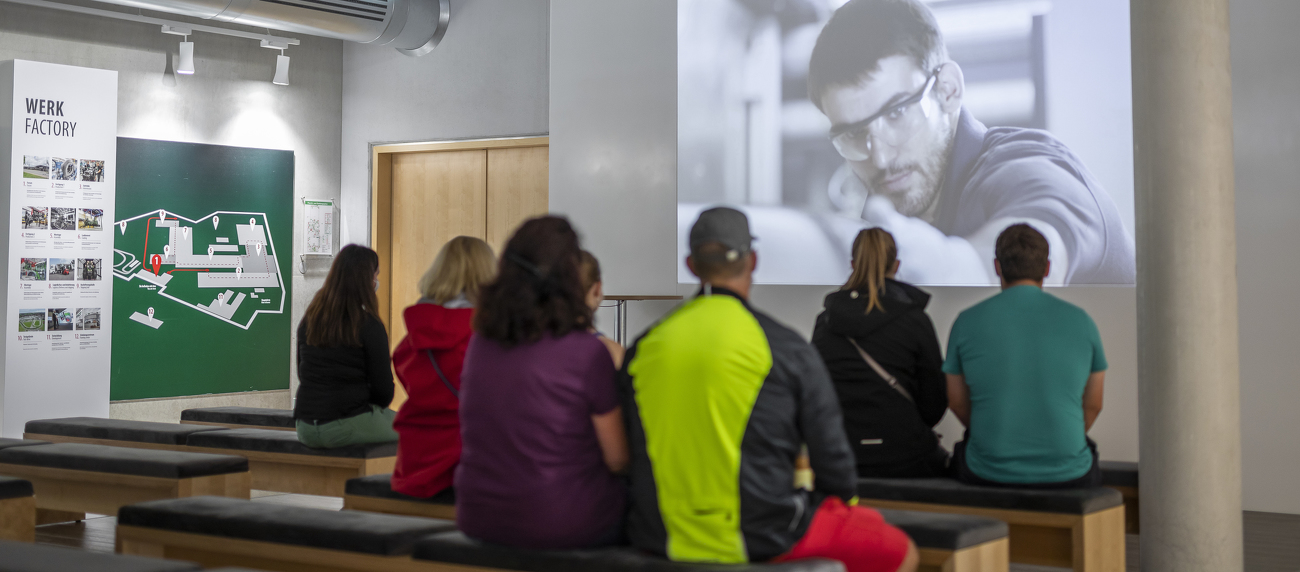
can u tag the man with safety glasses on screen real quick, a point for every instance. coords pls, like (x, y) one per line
(941, 182)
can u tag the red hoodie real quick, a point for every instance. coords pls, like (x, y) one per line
(429, 422)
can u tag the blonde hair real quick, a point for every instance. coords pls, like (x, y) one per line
(462, 266)
(874, 255)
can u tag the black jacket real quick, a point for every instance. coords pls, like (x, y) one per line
(901, 338)
(334, 383)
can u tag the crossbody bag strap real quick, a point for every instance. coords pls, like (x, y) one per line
(885, 375)
(440, 374)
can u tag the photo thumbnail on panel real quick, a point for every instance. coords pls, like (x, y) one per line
(87, 318)
(36, 218)
(90, 269)
(92, 171)
(63, 218)
(31, 320)
(63, 269)
(31, 269)
(91, 219)
(36, 167)
(57, 319)
(63, 169)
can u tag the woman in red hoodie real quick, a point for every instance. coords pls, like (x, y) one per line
(428, 363)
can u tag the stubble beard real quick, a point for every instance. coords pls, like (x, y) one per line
(932, 170)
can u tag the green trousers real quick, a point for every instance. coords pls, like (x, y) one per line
(374, 426)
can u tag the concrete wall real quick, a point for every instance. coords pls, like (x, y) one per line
(229, 101)
(1265, 77)
(488, 78)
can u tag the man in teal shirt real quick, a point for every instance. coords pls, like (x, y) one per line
(1026, 372)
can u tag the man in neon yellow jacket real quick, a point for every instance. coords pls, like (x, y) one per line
(719, 398)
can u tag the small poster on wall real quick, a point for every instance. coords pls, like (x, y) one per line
(61, 176)
(318, 226)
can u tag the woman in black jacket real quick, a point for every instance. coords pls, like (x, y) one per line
(888, 418)
(344, 372)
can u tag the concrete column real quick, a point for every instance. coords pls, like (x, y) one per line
(1190, 417)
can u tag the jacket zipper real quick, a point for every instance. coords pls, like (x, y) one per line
(798, 513)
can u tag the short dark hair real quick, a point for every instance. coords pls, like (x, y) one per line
(537, 290)
(711, 263)
(1022, 252)
(863, 32)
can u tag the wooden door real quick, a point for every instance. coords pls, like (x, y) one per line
(516, 190)
(428, 193)
(436, 197)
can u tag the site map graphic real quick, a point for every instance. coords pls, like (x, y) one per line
(222, 265)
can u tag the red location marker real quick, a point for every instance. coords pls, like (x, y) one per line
(157, 262)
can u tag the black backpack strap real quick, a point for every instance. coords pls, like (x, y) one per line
(440, 374)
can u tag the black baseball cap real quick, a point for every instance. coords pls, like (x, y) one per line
(723, 225)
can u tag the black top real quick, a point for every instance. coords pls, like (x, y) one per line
(338, 382)
(884, 428)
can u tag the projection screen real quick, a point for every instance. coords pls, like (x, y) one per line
(941, 121)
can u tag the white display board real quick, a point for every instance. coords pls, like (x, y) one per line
(318, 226)
(59, 152)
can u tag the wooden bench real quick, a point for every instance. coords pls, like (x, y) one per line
(277, 461)
(17, 510)
(1081, 529)
(114, 432)
(240, 418)
(1123, 477)
(225, 532)
(950, 543)
(375, 494)
(24, 557)
(71, 479)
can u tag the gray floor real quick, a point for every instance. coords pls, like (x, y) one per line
(1272, 540)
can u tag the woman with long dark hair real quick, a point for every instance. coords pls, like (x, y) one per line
(344, 373)
(541, 430)
(883, 355)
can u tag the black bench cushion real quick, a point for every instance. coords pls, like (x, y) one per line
(275, 441)
(455, 548)
(117, 430)
(945, 531)
(381, 486)
(7, 443)
(370, 533)
(11, 488)
(1119, 474)
(258, 416)
(951, 492)
(26, 557)
(124, 460)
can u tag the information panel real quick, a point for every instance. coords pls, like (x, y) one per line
(202, 300)
(60, 154)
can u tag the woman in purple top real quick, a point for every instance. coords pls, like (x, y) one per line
(540, 424)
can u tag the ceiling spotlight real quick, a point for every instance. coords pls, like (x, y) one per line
(281, 70)
(186, 65)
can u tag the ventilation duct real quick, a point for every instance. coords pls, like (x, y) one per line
(413, 27)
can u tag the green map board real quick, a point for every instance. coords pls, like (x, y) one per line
(218, 221)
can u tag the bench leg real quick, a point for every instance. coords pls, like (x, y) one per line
(1099, 541)
(1132, 509)
(18, 519)
(51, 516)
(992, 556)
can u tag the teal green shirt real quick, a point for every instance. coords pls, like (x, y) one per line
(1026, 356)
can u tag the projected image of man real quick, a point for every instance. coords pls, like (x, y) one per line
(939, 180)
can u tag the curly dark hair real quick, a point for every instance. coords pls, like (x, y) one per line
(538, 289)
